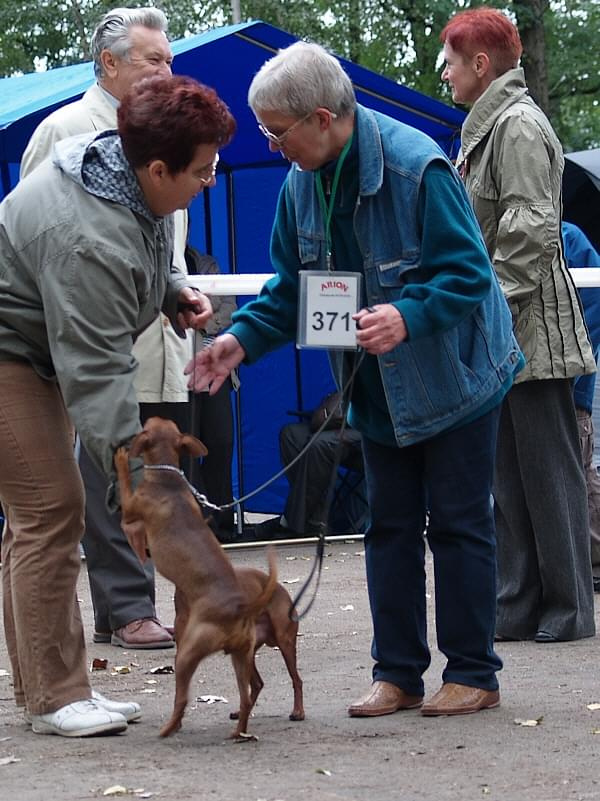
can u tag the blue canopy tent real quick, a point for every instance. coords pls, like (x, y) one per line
(233, 220)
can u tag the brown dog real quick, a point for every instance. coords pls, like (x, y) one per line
(214, 610)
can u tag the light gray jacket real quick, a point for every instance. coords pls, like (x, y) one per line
(161, 354)
(80, 276)
(512, 163)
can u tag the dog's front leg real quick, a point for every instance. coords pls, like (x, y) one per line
(134, 527)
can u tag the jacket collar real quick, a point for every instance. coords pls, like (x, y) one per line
(502, 93)
(370, 152)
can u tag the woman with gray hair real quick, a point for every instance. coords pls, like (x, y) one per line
(367, 195)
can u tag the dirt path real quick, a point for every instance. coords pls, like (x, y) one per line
(329, 756)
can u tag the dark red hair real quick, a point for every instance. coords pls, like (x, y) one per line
(167, 117)
(488, 30)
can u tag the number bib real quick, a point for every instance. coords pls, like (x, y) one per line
(327, 301)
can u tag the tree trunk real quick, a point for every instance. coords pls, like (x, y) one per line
(530, 21)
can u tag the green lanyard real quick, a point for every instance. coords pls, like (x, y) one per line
(325, 209)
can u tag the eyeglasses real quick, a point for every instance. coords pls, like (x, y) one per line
(280, 140)
(212, 173)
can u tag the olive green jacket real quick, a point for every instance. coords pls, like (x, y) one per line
(512, 164)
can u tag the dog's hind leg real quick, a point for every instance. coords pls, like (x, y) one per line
(243, 665)
(287, 646)
(256, 685)
(207, 638)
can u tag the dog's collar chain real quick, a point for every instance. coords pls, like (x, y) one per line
(200, 498)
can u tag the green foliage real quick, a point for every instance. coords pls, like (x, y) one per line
(398, 39)
(574, 72)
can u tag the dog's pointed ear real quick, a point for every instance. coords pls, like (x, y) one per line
(139, 443)
(193, 445)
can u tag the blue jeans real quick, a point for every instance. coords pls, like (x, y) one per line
(448, 478)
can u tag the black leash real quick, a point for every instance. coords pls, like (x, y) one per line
(317, 567)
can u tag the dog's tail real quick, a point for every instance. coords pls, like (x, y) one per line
(256, 606)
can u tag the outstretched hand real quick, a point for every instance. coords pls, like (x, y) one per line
(211, 366)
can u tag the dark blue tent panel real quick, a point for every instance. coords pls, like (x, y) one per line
(233, 220)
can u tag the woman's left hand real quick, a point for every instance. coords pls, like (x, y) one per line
(196, 311)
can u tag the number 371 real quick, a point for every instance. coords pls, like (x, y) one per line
(330, 320)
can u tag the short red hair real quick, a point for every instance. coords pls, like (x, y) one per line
(488, 30)
(167, 117)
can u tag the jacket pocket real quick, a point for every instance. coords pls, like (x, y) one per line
(524, 326)
(391, 272)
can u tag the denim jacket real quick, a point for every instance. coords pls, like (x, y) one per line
(430, 382)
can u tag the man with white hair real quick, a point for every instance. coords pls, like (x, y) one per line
(128, 44)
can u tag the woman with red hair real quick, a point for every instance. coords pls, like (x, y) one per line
(86, 244)
(512, 164)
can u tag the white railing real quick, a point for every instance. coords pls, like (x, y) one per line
(251, 283)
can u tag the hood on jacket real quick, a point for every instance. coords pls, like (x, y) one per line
(97, 163)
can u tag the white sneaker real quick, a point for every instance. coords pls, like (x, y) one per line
(79, 719)
(129, 709)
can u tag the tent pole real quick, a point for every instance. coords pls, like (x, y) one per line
(232, 246)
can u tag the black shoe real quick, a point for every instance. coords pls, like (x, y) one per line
(596, 583)
(272, 529)
(544, 636)
(227, 536)
(502, 638)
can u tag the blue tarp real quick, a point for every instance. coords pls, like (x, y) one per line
(233, 220)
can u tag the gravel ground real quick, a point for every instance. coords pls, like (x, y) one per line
(329, 756)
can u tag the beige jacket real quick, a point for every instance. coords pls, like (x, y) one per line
(512, 164)
(161, 354)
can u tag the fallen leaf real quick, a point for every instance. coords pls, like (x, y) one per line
(163, 669)
(118, 669)
(533, 722)
(148, 690)
(4, 672)
(151, 681)
(323, 771)
(290, 581)
(8, 760)
(595, 731)
(593, 707)
(347, 608)
(99, 664)
(116, 789)
(212, 699)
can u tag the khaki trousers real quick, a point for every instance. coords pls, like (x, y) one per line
(42, 496)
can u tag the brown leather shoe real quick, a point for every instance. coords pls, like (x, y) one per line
(382, 699)
(139, 634)
(458, 699)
